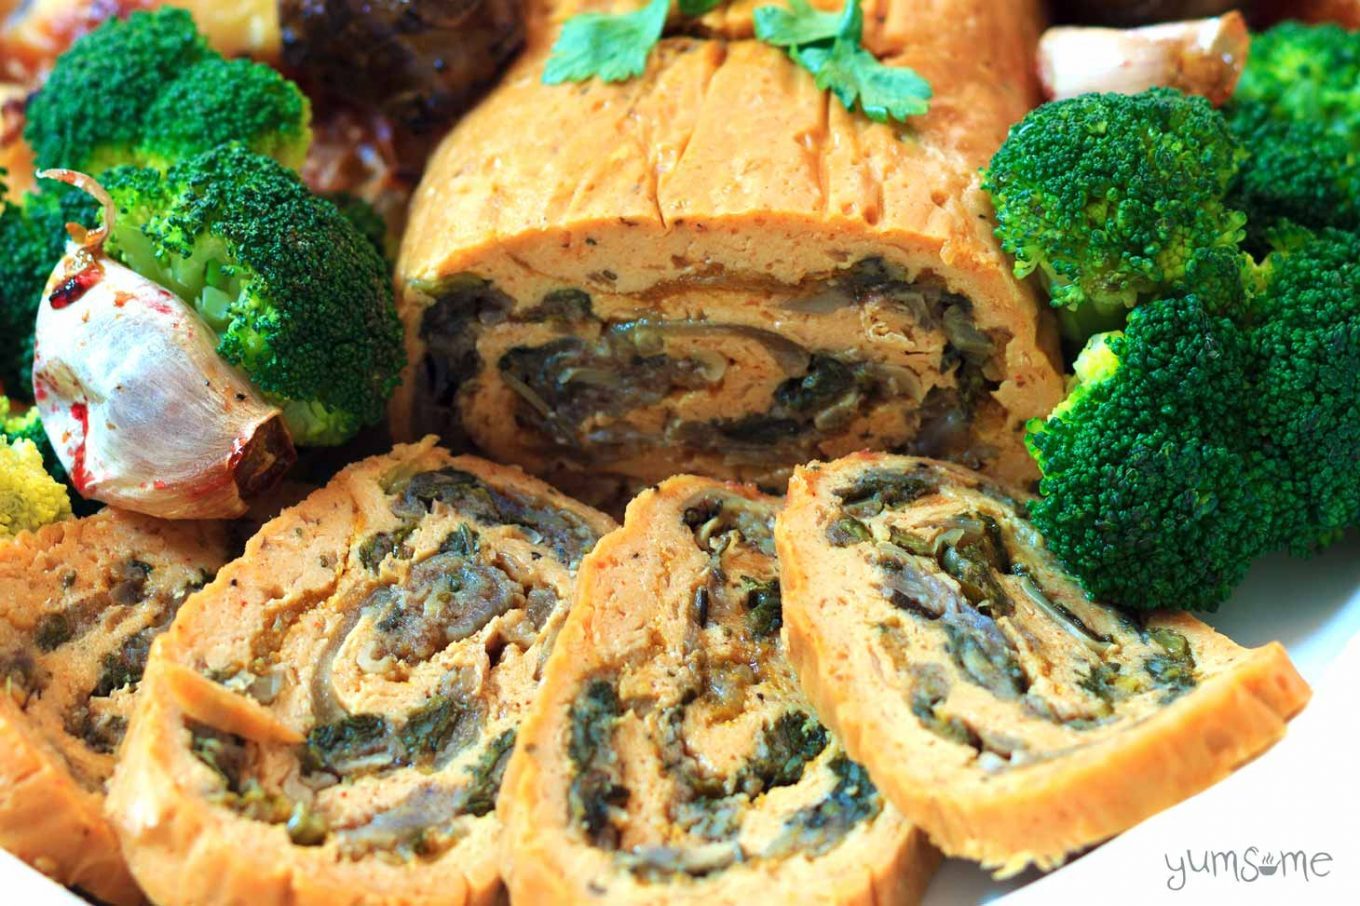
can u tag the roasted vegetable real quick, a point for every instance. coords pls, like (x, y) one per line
(300, 301)
(149, 91)
(416, 65)
(1199, 56)
(1109, 196)
(141, 409)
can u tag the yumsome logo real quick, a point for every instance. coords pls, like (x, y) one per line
(1248, 866)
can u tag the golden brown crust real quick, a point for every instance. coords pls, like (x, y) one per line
(633, 628)
(292, 636)
(723, 172)
(1038, 811)
(51, 780)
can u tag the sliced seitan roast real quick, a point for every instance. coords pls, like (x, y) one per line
(329, 720)
(716, 268)
(1009, 716)
(671, 758)
(80, 602)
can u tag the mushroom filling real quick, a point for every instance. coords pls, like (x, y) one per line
(975, 604)
(732, 729)
(906, 360)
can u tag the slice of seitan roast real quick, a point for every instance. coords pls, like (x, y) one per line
(80, 602)
(329, 720)
(716, 268)
(1009, 716)
(671, 758)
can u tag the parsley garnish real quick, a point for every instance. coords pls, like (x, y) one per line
(610, 47)
(614, 48)
(829, 47)
(694, 8)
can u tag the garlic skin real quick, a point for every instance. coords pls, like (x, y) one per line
(1200, 56)
(140, 408)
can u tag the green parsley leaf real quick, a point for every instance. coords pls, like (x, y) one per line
(694, 8)
(829, 46)
(610, 47)
(796, 25)
(850, 72)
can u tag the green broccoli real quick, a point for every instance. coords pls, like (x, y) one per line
(299, 299)
(15, 426)
(1306, 340)
(1108, 197)
(1152, 485)
(32, 239)
(1306, 72)
(29, 497)
(1297, 112)
(1221, 424)
(149, 91)
(367, 221)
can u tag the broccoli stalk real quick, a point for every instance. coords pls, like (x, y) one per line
(1109, 196)
(149, 91)
(299, 300)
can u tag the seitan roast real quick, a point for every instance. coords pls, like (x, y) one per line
(671, 757)
(328, 721)
(716, 268)
(80, 602)
(1010, 717)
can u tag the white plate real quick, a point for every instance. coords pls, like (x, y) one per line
(1302, 795)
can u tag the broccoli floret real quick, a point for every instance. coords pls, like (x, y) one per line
(1306, 340)
(1152, 487)
(1218, 426)
(300, 301)
(1306, 72)
(25, 425)
(1108, 197)
(367, 221)
(149, 91)
(29, 497)
(1297, 111)
(32, 239)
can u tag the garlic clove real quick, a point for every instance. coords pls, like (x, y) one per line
(140, 408)
(1200, 56)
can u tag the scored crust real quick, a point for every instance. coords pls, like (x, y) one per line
(1007, 715)
(722, 188)
(79, 601)
(327, 722)
(665, 642)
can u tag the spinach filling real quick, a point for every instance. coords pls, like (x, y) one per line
(709, 806)
(463, 306)
(429, 736)
(226, 755)
(568, 535)
(572, 389)
(816, 829)
(971, 549)
(596, 793)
